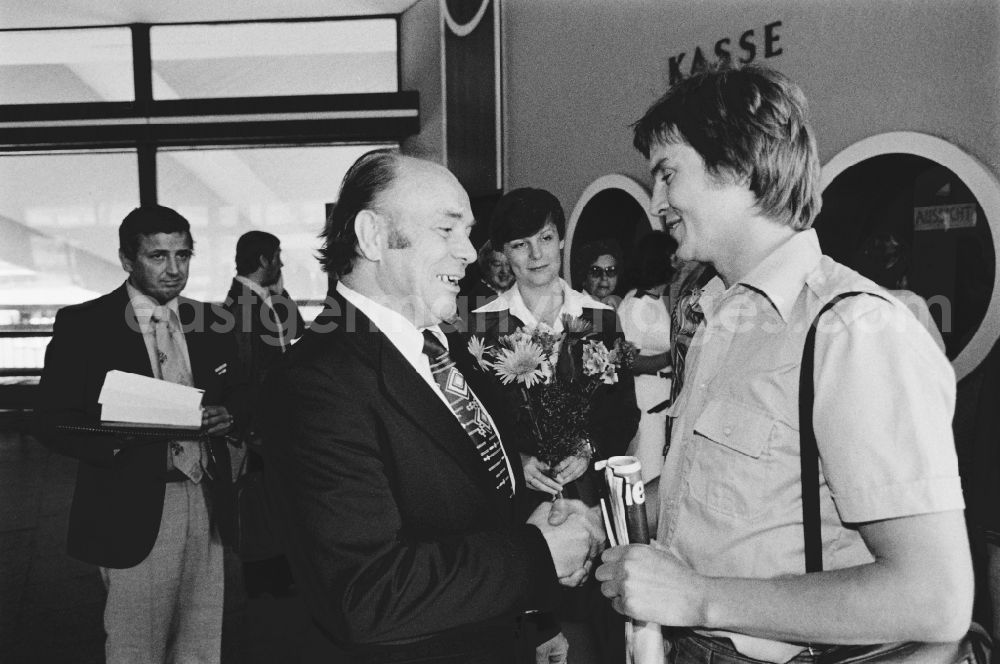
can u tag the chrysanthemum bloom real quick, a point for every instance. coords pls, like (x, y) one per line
(478, 349)
(521, 362)
(576, 325)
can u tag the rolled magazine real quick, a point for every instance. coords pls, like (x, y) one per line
(623, 506)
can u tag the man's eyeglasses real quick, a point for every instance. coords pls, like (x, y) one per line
(598, 272)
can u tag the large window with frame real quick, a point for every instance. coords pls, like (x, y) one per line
(61, 66)
(266, 59)
(226, 192)
(238, 126)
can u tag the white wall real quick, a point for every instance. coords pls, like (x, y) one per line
(578, 72)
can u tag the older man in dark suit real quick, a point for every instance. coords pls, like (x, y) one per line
(140, 510)
(396, 491)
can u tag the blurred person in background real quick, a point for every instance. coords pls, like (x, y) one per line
(490, 276)
(599, 264)
(266, 321)
(886, 261)
(645, 316)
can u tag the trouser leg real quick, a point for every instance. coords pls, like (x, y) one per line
(142, 600)
(198, 636)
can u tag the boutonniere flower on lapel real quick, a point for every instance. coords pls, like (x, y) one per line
(554, 377)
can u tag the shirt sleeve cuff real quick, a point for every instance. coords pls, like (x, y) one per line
(898, 500)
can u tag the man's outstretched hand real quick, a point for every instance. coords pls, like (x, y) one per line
(574, 535)
(553, 651)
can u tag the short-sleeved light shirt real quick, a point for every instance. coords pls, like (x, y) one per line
(885, 394)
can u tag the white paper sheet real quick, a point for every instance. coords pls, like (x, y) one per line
(128, 397)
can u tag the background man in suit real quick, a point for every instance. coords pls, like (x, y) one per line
(267, 320)
(400, 507)
(139, 510)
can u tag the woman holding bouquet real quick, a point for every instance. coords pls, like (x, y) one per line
(529, 226)
(560, 354)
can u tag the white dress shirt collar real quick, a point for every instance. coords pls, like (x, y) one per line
(143, 306)
(574, 302)
(256, 288)
(403, 334)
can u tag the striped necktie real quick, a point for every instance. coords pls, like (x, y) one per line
(469, 412)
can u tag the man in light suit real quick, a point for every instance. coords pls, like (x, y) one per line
(140, 510)
(405, 535)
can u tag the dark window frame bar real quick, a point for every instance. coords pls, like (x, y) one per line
(146, 124)
(375, 117)
(293, 19)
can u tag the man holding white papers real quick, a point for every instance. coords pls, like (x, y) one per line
(140, 510)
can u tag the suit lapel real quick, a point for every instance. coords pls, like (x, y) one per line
(195, 319)
(406, 391)
(411, 394)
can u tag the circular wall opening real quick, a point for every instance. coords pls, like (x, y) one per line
(913, 212)
(613, 207)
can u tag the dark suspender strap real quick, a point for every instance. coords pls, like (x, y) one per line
(808, 451)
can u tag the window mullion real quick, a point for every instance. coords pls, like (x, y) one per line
(142, 68)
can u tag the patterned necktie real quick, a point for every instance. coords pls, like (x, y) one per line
(685, 319)
(185, 455)
(470, 413)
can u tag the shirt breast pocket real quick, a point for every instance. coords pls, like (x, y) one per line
(731, 468)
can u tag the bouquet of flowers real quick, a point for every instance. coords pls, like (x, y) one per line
(556, 376)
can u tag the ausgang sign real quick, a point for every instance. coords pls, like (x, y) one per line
(744, 48)
(944, 217)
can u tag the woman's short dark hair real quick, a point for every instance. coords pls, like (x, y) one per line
(149, 220)
(523, 212)
(651, 264)
(585, 256)
(749, 124)
(251, 247)
(366, 179)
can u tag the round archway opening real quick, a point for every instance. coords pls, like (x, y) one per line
(908, 222)
(611, 214)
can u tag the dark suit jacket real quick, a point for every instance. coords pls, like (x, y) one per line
(118, 501)
(399, 541)
(256, 331)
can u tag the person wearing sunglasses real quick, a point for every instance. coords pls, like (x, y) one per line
(600, 263)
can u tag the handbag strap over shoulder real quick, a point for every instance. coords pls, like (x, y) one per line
(808, 450)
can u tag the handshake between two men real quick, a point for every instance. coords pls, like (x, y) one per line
(574, 534)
